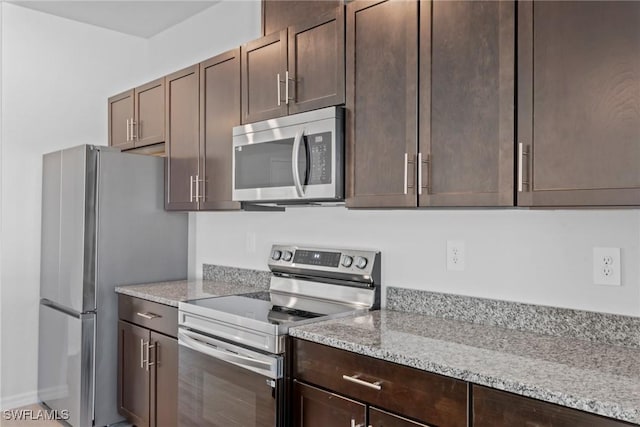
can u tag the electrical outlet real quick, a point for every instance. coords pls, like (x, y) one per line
(606, 266)
(455, 255)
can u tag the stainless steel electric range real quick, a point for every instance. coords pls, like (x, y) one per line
(232, 348)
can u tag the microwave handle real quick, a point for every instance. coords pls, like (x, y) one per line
(294, 163)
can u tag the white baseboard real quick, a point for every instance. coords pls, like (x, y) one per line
(19, 400)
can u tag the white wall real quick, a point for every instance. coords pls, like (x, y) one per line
(541, 257)
(57, 76)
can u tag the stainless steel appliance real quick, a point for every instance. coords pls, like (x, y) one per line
(298, 158)
(103, 224)
(232, 348)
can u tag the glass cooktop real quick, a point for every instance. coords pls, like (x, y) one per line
(262, 307)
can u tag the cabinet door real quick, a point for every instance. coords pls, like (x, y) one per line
(120, 118)
(316, 62)
(467, 54)
(264, 62)
(380, 418)
(493, 408)
(280, 14)
(578, 97)
(313, 407)
(219, 113)
(149, 118)
(381, 116)
(165, 380)
(133, 374)
(182, 120)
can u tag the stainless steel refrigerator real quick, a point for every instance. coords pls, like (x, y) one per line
(103, 225)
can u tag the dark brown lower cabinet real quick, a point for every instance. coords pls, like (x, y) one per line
(493, 408)
(147, 364)
(314, 407)
(380, 418)
(381, 387)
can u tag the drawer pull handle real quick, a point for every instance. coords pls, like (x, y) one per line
(148, 316)
(355, 379)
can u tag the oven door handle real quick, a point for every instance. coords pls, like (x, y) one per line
(190, 340)
(297, 141)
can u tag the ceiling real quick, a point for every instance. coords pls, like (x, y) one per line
(137, 18)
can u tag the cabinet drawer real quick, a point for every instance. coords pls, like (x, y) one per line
(431, 398)
(493, 408)
(151, 315)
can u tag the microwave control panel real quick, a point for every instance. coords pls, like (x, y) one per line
(320, 154)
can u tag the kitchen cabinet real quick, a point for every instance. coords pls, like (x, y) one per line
(493, 408)
(183, 139)
(381, 101)
(467, 116)
(279, 14)
(219, 113)
(136, 117)
(296, 69)
(203, 106)
(147, 362)
(578, 97)
(393, 394)
(457, 148)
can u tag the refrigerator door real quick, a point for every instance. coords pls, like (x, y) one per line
(65, 362)
(69, 228)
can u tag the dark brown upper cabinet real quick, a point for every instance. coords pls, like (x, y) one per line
(466, 119)
(431, 125)
(183, 139)
(264, 65)
(578, 103)
(280, 14)
(382, 100)
(297, 69)
(203, 107)
(219, 113)
(136, 117)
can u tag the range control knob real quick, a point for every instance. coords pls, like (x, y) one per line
(287, 255)
(347, 261)
(275, 255)
(361, 262)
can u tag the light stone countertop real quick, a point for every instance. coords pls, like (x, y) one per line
(599, 378)
(171, 293)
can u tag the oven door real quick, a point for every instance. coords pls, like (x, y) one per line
(290, 163)
(223, 385)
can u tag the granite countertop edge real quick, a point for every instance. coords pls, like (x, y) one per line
(132, 292)
(606, 409)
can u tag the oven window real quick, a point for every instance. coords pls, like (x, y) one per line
(214, 393)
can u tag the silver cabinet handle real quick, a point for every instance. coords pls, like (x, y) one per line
(286, 88)
(355, 379)
(353, 423)
(197, 188)
(406, 178)
(521, 154)
(191, 189)
(278, 83)
(148, 315)
(149, 347)
(127, 130)
(142, 353)
(419, 174)
(426, 161)
(133, 132)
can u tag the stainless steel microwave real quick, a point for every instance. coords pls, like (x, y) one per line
(298, 158)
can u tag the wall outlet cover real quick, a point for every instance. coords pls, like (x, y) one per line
(455, 255)
(607, 266)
